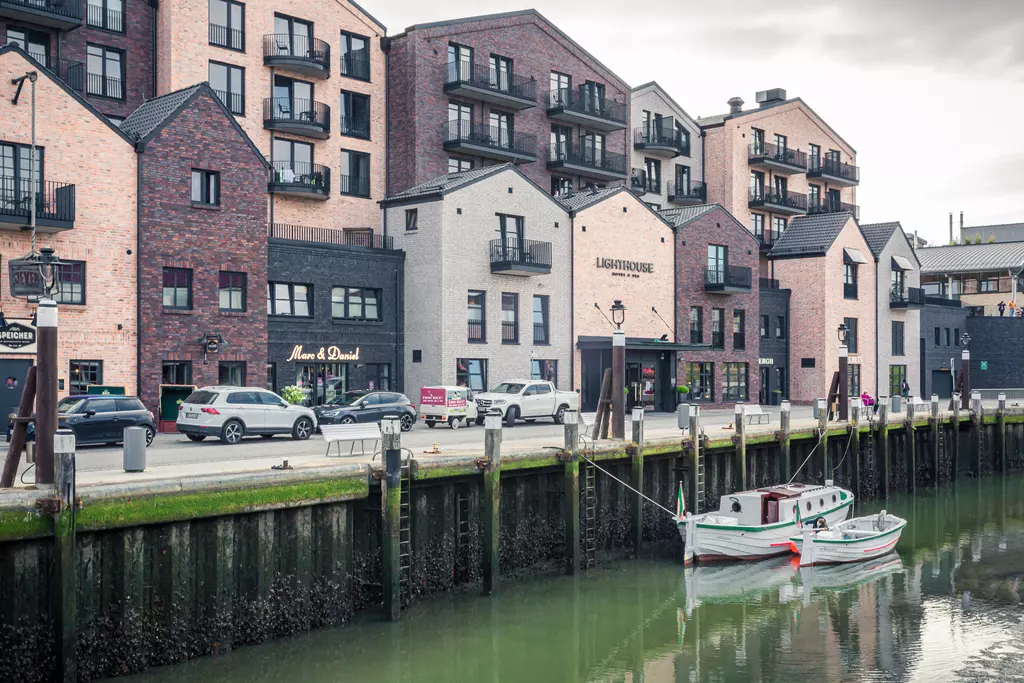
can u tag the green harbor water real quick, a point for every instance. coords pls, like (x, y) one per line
(946, 607)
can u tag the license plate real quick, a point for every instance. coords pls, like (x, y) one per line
(192, 416)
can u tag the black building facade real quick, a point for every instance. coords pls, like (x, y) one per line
(334, 312)
(773, 331)
(996, 358)
(943, 321)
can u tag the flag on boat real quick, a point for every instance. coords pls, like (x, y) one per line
(680, 502)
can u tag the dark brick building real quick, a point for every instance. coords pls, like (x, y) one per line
(336, 315)
(997, 342)
(773, 334)
(498, 88)
(202, 245)
(717, 299)
(943, 321)
(102, 50)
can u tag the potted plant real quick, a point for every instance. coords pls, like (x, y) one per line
(682, 392)
(293, 395)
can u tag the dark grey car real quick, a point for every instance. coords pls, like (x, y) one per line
(101, 419)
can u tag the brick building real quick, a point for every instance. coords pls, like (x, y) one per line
(717, 303)
(943, 321)
(773, 350)
(507, 87)
(667, 150)
(202, 246)
(979, 275)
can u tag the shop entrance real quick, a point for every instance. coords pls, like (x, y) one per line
(321, 382)
(13, 374)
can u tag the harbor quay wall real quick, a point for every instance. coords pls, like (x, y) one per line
(181, 569)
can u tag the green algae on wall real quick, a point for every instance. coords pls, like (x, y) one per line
(20, 524)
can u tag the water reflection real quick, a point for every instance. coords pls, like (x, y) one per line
(946, 607)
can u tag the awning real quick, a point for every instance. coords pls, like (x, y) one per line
(902, 263)
(639, 344)
(853, 256)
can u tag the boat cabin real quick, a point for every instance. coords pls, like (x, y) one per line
(774, 504)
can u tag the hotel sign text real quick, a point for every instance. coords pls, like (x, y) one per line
(325, 353)
(625, 268)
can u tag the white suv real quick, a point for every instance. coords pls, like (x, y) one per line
(233, 412)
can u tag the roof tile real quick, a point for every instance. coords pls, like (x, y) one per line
(961, 258)
(810, 235)
(152, 113)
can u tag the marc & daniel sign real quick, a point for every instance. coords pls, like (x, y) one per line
(624, 268)
(326, 353)
(18, 337)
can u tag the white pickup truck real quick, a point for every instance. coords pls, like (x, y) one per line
(526, 400)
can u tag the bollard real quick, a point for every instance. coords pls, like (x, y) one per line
(855, 413)
(571, 483)
(955, 455)
(696, 474)
(637, 479)
(682, 415)
(64, 542)
(1001, 431)
(911, 448)
(784, 430)
(391, 507)
(978, 424)
(882, 443)
(492, 500)
(741, 445)
(935, 427)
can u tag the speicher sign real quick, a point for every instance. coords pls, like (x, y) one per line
(18, 337)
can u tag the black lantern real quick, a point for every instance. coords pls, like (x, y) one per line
(965, 339)
(618, 313)
(844, 332)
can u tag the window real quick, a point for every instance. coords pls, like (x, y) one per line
(227, 24)
(355, 56)
(956, 337)
(700, 377)
(36, 43)
(853, 381)
(653, 167)
(293, 100)
(807, 362)
(897, 338)
(205, 187)
(849, 281)
(561, 187)
(592, 148)
(105, 70)
(501, 129)
(475, 313)
(739, 330)
(540, 320)
(285, 298)
(561, 85)
(813, 196)
(544, 369)
(757, 185)
(293, 163)
(682, 179)
(82, 373)
(781, 143)
(757, 225)
(272, 376)
(735, 387)
(897, 375)
(106, 14)
(717, 329)
(355, 114)
(780, 327)
(781, 186)
(937, 337)
(176, 372)
(717, 259)
(757, 140)
(293, 36)
(766, 322)
(684, 137)
(561, 143)
(378, 376)
(851, 334)
(228, 82)
(696, 325)
(897, 284)
(948, 341)
(412, 219)
(178, 288)
(778, 227)
(231, 373)
(509, 318)
(354, 303)
(988, 284)
(457, 165)
(71, 276)
(460, 62)
(472, 373)
(814, 157)
(355, 174)
(232, 291)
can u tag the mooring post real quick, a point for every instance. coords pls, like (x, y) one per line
(882, 442)
(855, 409)
(978, 424)
(637, 479)
(784, 430)
(955, 441)
(741, 445)
(695, 469)
(391, 506)
(572, 492)
(936, 426)
(1001, 432)
(823, 408)
(492, 500)
(911, 449)
(64, 541)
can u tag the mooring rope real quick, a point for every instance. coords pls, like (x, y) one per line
(820, 439)
(639, 493)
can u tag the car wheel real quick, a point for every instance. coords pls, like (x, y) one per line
(453, 422)
(150, 435)
(559, 415)
(267, 436)
(407, 421)
(348, 420)
(479, 420)
(430, 424)
(196, 437)
(302, 429)
(232, 432)
(510, 416)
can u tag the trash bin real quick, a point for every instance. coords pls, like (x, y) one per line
(897, 404)
(134, 449)
(818, 408)
(683, 416)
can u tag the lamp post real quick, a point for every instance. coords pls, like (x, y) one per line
(965, 372)
(618, 371)
(844, 373)
(46, 362)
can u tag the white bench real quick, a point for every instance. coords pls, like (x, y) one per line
(360, 432)
(752, 410)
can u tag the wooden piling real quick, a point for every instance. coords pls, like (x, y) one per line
(741, 445)
(784, 443)
(955, 440)
(911, 449)
(1001, 432)
(571, 484)
(855, 414)
(933, 423)
(882, 443)
(696, 502)
(391, 510)
(64, 542)
(637, 481)
(492, 502)
(978, 425)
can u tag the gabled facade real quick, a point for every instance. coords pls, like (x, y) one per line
(666, 149)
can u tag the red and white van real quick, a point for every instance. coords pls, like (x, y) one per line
(447, 405)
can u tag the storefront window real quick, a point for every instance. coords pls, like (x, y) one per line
(897, 373)
(700, 377)
(321, 382)
(735, 388)
(272, 376)
(177, 372)
(545, 369)
(378, 376)
(472, 373)
(853, 386)
(231, 373)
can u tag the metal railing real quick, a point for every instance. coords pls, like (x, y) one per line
(833, 167)
(356, 65)
(767, 151)
(359, 128)
(234, 101)
(768, 283)
(348, 238)
(290, 46)
(357, 186)
(587, 156)
(475, 331)
(907, 295)
(540, 333)
(767, 237)
(493, 137)
(728, 276)
(828, 205)
(509, 332)
(513, 251)
(668, 137)
(109, 19)
(587, 103)
(942, 301)
(849, 290)
(488, 78)
(69, 9)
(293, 110)
(104, 86)
(300, 175)
(638, 180)
(768, 195)
(223, 36)
(690, 190)
(69, 71)
(54, 201)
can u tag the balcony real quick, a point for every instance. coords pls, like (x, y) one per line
(767, 238)
(107, 19)
(782, 160)
(663, 142)
(356, 64)
(834, 171)
(55, 205)
(638, 181)
(727, 279)
(509, 332)
(60, 14)
(103, 86)
(354, 186)
(357, 128)
(298, 117)
(300, 179)
(490, 142)
(594, 113)
(231, 38)
(307, 56)
(348, 238)
(513, 256)
(477, 82)
(788, 203)
(827, 205)
(767, 283)
(587, 162)
(687, 193)
(906, 297)
(69, 71)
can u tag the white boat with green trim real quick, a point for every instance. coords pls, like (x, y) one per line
(854, 540)
(753, 525)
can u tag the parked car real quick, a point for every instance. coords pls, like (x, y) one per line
(527, 400)
(97, 419)
(447, 405)
(367, 406)
(233, 412)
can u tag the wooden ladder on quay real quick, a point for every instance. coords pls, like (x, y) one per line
(405, 536)
(699, 505)
(589, 559)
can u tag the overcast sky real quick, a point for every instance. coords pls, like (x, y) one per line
(929, 92)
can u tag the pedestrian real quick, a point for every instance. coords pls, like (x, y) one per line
(1013, 308)
(1002, 308)
(905, 389)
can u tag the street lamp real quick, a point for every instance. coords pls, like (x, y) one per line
(844, 372)
(965, 372)
(844, 332)
(618, 371)
(618, 313)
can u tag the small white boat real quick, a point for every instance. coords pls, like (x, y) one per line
(754, 525)
(855, 540)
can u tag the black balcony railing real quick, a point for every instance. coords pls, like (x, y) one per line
(509, 332)
(234, 101)
(582, 102)
(97, 84)
(768, 283)
(638, 180)
(292, 111)
(690, 191)
(540, 333)
(222, 36)
(589, 157)
(71, 72)
(359, 128)
(645, 136)
(768, 152)
(70, 10)
(290, 48)
(829, 205)
(356, 186)
(727, 277)
(475, 333)
(109, 19)
(491, 137)
(849, 290)
(510, 253)
(55, 202)
(834, 168)
(906, 296)
(300, 176)
(793, 200)
(767, 237)
(492, 80)
(349, 238)
(356, 65)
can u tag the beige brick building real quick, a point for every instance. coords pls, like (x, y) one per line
(667, 149)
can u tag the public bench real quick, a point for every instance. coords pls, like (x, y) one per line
(752, 410)
(361, 432)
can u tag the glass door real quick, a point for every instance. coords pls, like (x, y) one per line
(634, 387)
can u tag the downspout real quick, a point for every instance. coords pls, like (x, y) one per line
(572, 310)
(399, 323)
(154, 4)
(789, 331)
(139, 149)
(703, 136)
(877, 316)
(387, 133)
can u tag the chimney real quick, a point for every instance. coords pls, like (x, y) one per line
(768, 98)
(951, 227)
(735, 105)
(961, 222)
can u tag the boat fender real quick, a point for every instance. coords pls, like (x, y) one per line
(881, 521)
(736, 507)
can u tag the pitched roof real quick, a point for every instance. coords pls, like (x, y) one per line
(810, 235)
(151, 114)
(442, 185)
(369, 16)
(719, 119)
(680, 216)
(962, 258)
(657, 86)
(879, 234)
(586, 198)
